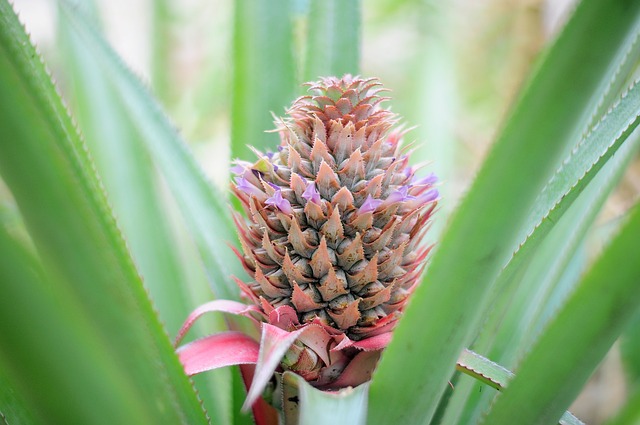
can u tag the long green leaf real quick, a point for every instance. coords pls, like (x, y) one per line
(584, 163)
(630, 351)
(263, 73)
(578, 337)
(443, 313)
(48, 170)
(204, 207)
(130, 181)
(333, 40)
(53, 355)
(525, 305)
(522, 297)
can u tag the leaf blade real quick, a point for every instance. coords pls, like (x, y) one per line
(50, 174)
(202, 205)
(601, 306)
(333, 39)
(519, 164)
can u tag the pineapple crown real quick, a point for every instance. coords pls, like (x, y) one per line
(336, 217)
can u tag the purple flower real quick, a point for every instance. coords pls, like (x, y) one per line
(279, 202)
(311, 193)
(237, 169)
(369, 205)
(429, 196)
(400, 195)
(244, 185)
(423, 181)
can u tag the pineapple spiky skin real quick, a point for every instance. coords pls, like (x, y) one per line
(336, 217)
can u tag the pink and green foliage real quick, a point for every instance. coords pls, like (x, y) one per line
(332, 239)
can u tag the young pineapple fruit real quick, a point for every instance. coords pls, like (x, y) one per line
(335, 217)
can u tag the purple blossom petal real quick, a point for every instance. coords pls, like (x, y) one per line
(429, 196)
(400, 195)
(237, 169)
(311, 193)
(408, 172)
(429, 179)
(273, 185)
(279, 202)
(369, 205)
(244, 185)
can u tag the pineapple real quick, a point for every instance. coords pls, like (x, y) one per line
(336, 216)
(332, 240)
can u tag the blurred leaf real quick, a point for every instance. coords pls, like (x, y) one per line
(578, 338)
(582, 165)
(129, 178)
(537, 289)
(333, 40)
(161, 58)
(132, 184)
(13, 408)
(630, 350)
(629, 414)
(117, 342)
(554, 106)
(203, 206)
(76, 365)
(263, 73)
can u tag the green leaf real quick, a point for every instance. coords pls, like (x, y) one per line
(482, 234)
(48, 170)
(587, 326)
(345, 407)
(14, 410)
(54, 355)
(130, 180)
(630, 351)
(141, 208)
(538, 286)
(333, 39)
(494, 375)
(263, 73)
(161, 59)
(483, 369)
(203, 207)
(582, 165)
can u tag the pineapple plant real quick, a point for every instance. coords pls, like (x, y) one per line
(333, 235)
(97, 278)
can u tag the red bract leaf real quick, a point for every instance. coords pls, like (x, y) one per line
(374, 343)
(274, 344)
(358, 371)
(219, 350)
(223, 306)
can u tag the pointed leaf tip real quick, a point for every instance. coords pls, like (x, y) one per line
(274, 344)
